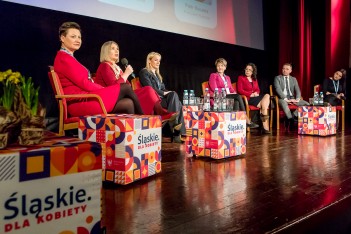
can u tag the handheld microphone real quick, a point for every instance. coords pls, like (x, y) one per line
(124, 62)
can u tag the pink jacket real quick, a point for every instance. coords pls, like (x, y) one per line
(216, 81)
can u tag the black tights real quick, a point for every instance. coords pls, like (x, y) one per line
(128, 102)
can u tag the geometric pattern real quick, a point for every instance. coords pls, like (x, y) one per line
(317, 120)
(215, 134)
(8, 167)
(56, 156)
(132, 144)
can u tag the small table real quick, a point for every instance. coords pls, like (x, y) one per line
(215, 134)
(53, 187)
(317, 120)
(131, 145)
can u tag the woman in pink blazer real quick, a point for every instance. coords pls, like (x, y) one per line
(220, 80)
(76, 79)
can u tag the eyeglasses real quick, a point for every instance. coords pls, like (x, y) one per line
(248, 69)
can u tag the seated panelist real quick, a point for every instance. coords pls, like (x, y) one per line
(75, 79)
(248, 85)
(109, 73)
(220, 80)
(151, 76)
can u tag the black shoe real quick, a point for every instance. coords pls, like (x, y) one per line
(252, 125)
(264, 131)
(177, 139)
(291, 124)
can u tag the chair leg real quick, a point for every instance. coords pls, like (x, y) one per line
(342, 119)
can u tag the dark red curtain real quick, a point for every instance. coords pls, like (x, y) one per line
(295, 42)
(316, 40)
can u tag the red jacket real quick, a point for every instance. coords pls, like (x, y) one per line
(147, 96)
(245, 87)
(74, 80)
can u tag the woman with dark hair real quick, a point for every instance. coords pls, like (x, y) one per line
(220, 80)
(334, 88)
(248, 85)
(76, 79)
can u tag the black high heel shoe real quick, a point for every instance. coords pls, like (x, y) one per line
(265, 131)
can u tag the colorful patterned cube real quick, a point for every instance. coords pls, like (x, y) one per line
(216, 134)
(54, 187)
(187, 109)
(131, 145)
(317, 120)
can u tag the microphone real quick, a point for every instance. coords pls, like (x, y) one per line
(124, 62)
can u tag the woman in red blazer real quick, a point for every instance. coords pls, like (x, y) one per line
(220, 80)
(248, 85)
(109, 73)
(76, 79)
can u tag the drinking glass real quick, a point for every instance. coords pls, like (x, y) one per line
(200, 103)
(230, 104)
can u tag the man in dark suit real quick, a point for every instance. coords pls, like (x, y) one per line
(289, 93)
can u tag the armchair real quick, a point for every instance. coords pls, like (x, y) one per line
(67, 122)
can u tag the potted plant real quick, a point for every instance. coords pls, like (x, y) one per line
(31, 112)
(8, 119)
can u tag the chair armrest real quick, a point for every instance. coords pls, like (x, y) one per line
(246, 104)
(78, 96)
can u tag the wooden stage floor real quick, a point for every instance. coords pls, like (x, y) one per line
(286, 183)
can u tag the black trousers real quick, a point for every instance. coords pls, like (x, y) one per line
(172, 103)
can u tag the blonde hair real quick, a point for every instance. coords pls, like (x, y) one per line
(150, 56)
(105, 50)
(222, 61)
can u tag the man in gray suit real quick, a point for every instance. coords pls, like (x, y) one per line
(288, 92)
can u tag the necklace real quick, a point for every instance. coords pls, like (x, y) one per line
(336, 86)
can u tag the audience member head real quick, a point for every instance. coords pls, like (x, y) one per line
(109, 52)
(287, 68)
(221, 65)
(153, 61)
(251, 70)
(70, 36)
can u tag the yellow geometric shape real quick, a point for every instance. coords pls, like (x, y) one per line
(35, 164)
(109, 176)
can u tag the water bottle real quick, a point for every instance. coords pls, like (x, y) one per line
(185, 98)
(207, 98)
(315, 99)
(224, 99)
(191, 98)
(321, 98)
(216, 100)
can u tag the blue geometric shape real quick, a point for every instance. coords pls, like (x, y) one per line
(24, 156)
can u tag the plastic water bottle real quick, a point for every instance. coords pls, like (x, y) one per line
(321, 98)
(185, 98)
(216, 100)
(315, 99)
(191, 98)
(207, 98)
(224, 99)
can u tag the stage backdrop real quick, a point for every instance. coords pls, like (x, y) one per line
(29, 43)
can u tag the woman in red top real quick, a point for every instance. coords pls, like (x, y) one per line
(220, 80)
(109, 73)
(75, 79)
(248, 85)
